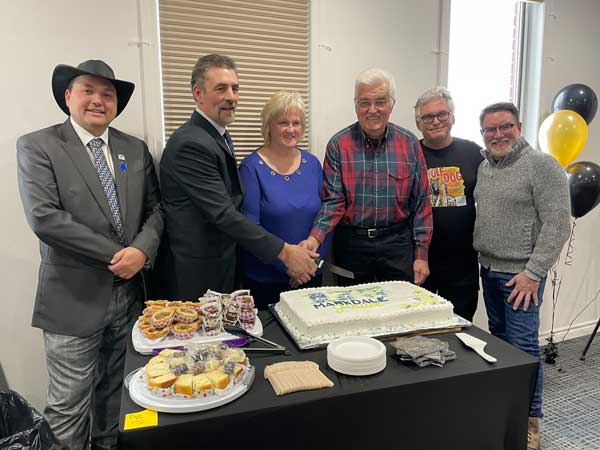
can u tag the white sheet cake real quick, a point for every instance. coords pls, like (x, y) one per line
(317, 315)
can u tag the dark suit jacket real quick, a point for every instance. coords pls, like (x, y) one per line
(202, 196)
(67, 209)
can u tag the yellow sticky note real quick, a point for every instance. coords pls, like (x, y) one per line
(142, 419)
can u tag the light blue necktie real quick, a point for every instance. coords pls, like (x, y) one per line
(229, 142)
(108, 185)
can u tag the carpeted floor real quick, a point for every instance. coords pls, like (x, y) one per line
(572, 398)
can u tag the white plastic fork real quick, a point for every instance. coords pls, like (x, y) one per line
(477, 345)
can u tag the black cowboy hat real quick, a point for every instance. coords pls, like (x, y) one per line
(63, 74)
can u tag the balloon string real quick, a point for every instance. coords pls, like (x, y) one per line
(570, 245)
(556, 281)
(551, 352)
(594, 298)
(559, 344)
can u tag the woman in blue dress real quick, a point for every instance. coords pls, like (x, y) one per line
(283, 193)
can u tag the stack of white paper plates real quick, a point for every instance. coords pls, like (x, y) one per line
(356, 355)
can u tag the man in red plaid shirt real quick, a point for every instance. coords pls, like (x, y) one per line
(375, 192)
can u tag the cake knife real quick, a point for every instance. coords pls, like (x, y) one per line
(334, 269)
(477, 345)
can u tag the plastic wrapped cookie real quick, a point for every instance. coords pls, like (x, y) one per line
(236, 355)
(234, 370)
(210, 296)
(213, 330)
(211, 310)
(246, 301)
(240, 293)
(232, 313)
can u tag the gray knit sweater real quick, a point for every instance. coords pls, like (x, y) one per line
(523, 211)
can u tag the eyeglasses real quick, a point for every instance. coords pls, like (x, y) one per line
(442, 116)
(490, 131)
(366, 104)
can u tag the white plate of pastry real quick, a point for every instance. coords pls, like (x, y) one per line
(161, 386)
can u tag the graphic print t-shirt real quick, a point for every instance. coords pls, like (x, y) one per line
(447, 187)
(452, 175)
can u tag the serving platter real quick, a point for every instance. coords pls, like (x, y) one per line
(145, 346)
(141, 395)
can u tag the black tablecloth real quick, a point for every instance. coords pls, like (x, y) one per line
(467, 404)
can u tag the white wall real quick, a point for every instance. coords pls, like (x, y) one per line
(346, 37)
(571, 36)
(37, 35)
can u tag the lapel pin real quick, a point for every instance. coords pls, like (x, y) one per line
(123, 166)
(121, 157)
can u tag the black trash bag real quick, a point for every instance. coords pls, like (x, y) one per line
(22, 427)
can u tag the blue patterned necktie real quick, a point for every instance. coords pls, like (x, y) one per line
(108, 185)
(229, 142)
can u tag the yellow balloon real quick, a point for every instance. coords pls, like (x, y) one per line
(563, 134)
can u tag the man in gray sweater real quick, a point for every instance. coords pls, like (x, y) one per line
(522, 223)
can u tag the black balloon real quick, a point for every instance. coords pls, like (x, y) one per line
(584, 186)
(579, 98)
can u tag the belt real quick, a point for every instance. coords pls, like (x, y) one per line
(376, 232)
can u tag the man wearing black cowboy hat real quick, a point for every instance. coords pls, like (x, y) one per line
(91, 196)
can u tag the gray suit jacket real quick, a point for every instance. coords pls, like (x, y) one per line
(67, 209)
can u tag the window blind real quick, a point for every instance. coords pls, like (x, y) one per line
(268, 40)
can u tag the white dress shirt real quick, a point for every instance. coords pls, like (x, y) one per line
(221, 129)
(86, 137)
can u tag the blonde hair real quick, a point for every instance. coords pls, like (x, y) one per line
(279, 104)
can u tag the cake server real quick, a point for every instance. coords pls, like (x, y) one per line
(334, 269)
(477, 345)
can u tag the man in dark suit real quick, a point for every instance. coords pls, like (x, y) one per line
(91, 196)
(203, 193)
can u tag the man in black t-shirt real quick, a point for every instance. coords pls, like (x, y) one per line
(452, 168)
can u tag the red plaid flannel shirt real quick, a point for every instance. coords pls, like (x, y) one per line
(372, 186)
